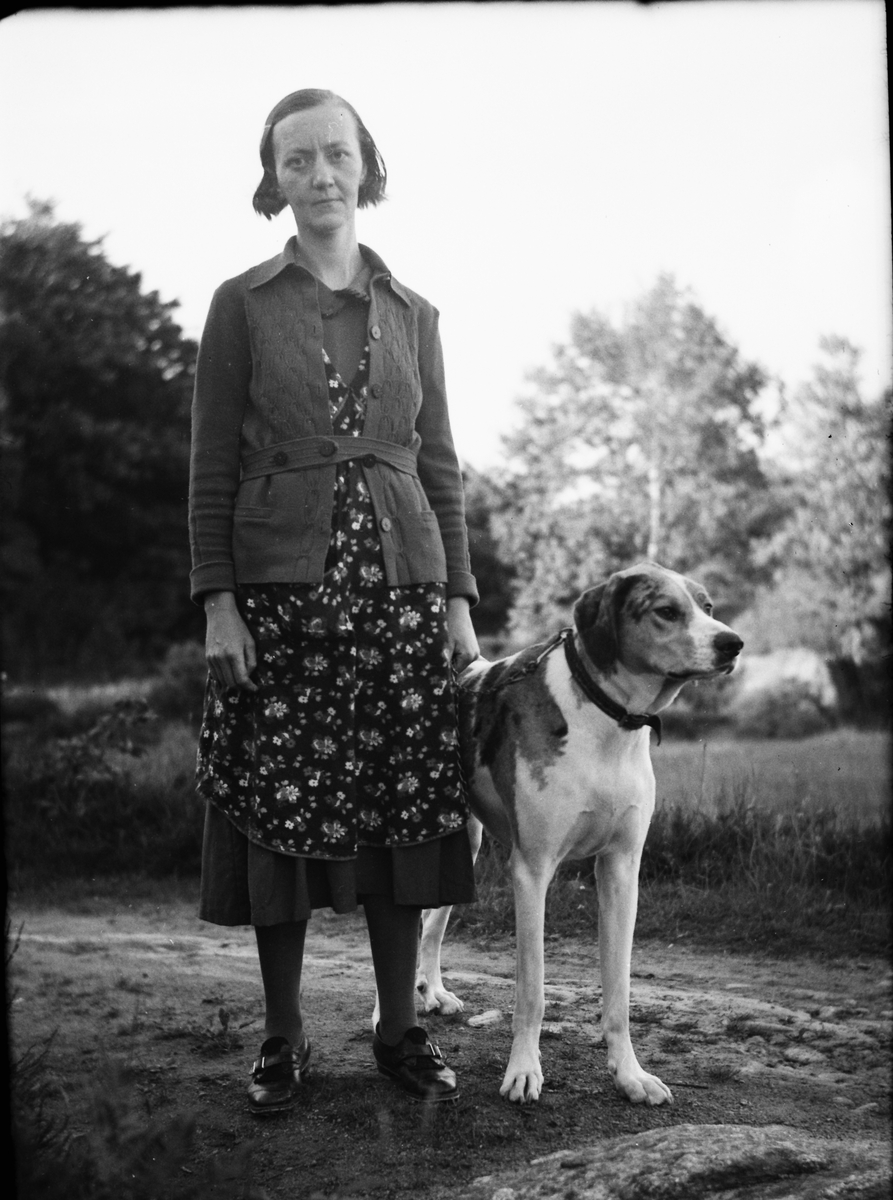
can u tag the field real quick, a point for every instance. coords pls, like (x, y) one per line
(846, 771)
(764, 891)
(769, 844)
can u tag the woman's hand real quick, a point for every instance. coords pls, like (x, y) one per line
(463, 643)
(229, 647)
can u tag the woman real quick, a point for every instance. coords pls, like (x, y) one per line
(330, 553)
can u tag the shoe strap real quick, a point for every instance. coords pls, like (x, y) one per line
(426, 1051)
(285, 1057)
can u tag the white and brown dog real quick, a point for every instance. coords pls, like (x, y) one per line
(556, 742)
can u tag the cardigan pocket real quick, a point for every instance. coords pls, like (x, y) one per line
(422, 547)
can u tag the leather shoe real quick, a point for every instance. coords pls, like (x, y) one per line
(418, 1066)
(277, 1076)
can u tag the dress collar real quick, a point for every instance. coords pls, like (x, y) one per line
(292, 257)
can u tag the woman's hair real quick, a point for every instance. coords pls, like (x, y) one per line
(268, 200)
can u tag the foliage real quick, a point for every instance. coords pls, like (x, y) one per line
(640, 441)
(75, 804)
(790, 709)
(126, 1153)
(95, 377)
(179, 692)
(484, 501)
(831, 584)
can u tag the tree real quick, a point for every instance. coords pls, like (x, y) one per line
(639, 441)
(483, 501)
(830, 586)
(96, 387)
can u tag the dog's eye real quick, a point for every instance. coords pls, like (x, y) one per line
(667, 613)
(708, 609)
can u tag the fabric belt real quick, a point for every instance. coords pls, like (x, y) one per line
(325, 451)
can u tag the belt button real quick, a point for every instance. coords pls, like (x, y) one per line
(385, 523)
(376, 332)
(280, 458)
(328, 449)
(370, 460)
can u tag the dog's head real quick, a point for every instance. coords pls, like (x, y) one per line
(655, 621)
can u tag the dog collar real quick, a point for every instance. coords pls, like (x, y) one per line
(624, 718)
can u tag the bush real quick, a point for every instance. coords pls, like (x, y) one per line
(788, 710)
(75, 804)
(179, 693)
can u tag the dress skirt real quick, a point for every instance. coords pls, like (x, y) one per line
(246, 884)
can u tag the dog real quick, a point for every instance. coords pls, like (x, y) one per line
(555, 741)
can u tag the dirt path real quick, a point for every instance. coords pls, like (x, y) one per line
(173, 1006)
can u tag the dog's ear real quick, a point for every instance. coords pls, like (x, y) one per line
(595, 616)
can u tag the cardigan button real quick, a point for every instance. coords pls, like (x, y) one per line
(376, 390)
(280, 458)
(376, 332)
(328, 449)
(385, 523)
(369, 460)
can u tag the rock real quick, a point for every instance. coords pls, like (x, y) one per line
(491, 1017)
(800, 1054)
(700, 1162)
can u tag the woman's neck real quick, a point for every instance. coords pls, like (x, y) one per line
(334, 258)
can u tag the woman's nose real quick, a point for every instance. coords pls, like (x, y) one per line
(322, 172)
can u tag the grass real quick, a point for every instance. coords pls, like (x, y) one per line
(780, 845)
(848, 771)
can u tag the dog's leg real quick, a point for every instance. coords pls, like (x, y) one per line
(617, 876)
(524, 1075)
(429, 982)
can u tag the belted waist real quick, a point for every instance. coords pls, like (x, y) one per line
(325, 451)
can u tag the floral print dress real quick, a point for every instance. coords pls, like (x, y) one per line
(350, 738)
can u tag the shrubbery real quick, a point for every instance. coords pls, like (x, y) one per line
(788, 710)
(75, 804)
(179, 693)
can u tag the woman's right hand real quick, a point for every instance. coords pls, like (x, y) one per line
(229, 647)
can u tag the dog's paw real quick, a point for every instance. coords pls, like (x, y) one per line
(437, 999)
(639, 1087)
(522, 1086)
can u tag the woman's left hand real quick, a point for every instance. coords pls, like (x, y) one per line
(463, 643)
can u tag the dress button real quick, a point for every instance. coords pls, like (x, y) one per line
(376, 332)
(280, 458)
(328, 449)
(369, 460)
(385, 523)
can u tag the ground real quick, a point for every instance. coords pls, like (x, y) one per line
(171, 1007)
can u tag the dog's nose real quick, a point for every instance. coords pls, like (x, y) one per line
(727, 644)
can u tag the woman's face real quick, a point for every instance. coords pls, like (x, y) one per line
(319, 167)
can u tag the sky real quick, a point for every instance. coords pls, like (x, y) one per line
(543, 159)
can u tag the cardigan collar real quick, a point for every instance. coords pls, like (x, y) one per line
(290, 257)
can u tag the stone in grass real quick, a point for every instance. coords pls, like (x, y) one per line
(491, 1017)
